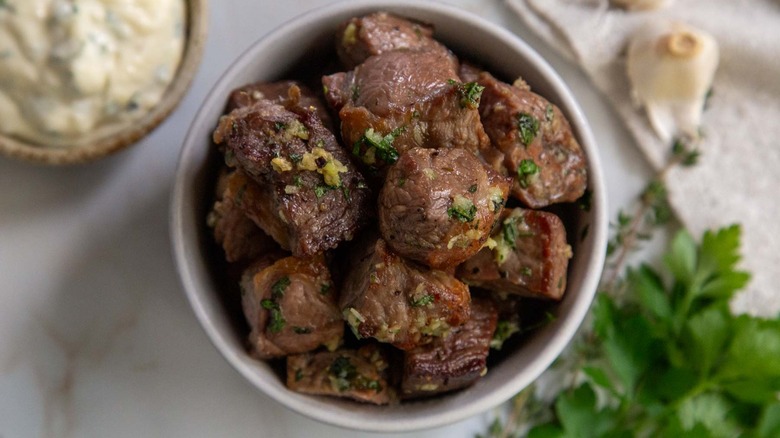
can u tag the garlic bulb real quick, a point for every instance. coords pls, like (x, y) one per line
(671, 67)
(642, 5)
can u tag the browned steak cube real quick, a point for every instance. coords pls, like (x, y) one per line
(402, 99)
(392, 300)
(357, 374)
(530, 257)
(286, 93)
(438, 206)
(362, 37)
(290, 305)
(256, 201)
(312, 195)
(239, 236)
(454, 361)
(531, 141)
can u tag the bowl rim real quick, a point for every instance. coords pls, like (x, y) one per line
(594, 259)
(194, 44)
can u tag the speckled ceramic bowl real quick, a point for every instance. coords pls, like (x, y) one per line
(271, 58)
(93, 147)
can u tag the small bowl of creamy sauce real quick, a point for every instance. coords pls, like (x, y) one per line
(73, 71)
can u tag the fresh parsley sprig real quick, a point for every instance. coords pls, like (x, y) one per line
(674, 360)
(664, 355)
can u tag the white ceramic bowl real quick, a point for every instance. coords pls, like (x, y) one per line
(311, 35)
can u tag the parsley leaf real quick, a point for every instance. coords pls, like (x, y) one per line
(525, 171)
(422, 301)
(462, 209)
(278, 288)
(469, 92)
(382, 145)
(670, 357)
(528, 127)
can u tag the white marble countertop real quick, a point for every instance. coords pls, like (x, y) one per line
(98, 339)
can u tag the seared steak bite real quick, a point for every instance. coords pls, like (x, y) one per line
(312, 196)
(530, 257)
(454, 361)
(357, 374)
(290, 306)
(256, 201)
(438, 206)
(533, 142)
(240, 238)
(286, 93)
(372, 34)
(403, 99)
(395, 301)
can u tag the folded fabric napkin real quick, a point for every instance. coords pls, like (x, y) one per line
(737, 179)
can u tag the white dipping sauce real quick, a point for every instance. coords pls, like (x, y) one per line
(69, 68)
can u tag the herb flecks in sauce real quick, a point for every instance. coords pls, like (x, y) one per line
(92, 92)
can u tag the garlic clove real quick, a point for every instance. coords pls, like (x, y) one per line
(641, 5)
(671, 67)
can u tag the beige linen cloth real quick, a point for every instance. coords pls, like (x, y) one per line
(737, 179)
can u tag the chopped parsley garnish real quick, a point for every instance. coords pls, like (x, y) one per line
(301, 330)
(373, 384)
(355, 93)
(527, 271)
(504, 330)
(279, 126)
(462, 209)
(342, 372)
(469, 92)
(296, 158)
(297, 181)
(277, 290)
(343, 375)
(277, 320)
(422, 301)
(298, 375)
(325, 288)
(498, 202)
(473, 188)
(528, 127)
(321, 189)
(509, 232)
(548, 113)
(382, 145)
(525, 170)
